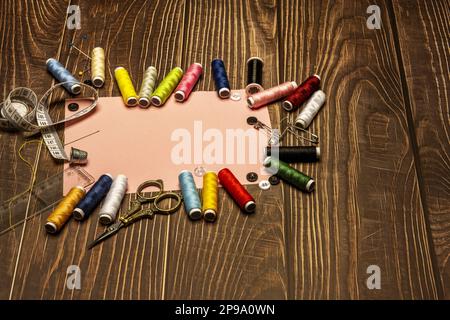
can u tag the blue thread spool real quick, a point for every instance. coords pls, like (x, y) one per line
(220, 78)
(191, 198)
(63, 75)
(93, 198)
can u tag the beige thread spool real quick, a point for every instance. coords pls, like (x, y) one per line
(98, 67)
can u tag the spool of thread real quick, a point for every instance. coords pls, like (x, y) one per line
(98, 67)
(302, 93)
(93, 197)
(190, 195)
(220, 78)
(254, 75)
(289, 174)
(310, 110)
(126, 87)
(236, 190)
(210, 196)
(166, 87)
(62, 213)
(188, 82)
(111, 205)
(263, 98)
(148, 86)
(61, 74)
(296, 154)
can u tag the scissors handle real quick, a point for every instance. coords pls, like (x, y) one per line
(167, 195)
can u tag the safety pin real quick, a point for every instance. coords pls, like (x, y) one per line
(290, 127)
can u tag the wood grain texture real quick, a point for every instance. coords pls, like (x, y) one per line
(382, 182)
(366, 209)
(424, 37)
(30, 32)
(132, 264)
(240, 256)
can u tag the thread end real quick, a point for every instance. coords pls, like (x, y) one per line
(105, 219)
(195, 214)
(179, 96)
(156, 101)
(224, 93)
(76, 88)
(250, 207)
(51, 228)
(210, 215)
(287, 105)
(98, 81)
(78, 214)
(144, 102)
(310, 185)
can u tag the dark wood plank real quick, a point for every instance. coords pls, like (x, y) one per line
(239, 256)
(135, 34)
(31, 31)
(424, 37)
(366, 209)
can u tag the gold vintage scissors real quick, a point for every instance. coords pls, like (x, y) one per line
(136, 212)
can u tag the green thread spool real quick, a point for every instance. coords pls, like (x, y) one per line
(290, 175)
(165, 88)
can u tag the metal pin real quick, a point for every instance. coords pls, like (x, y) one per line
(291, 128)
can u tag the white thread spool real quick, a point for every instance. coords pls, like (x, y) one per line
(111, 205)
(98, 67)
(310, 109)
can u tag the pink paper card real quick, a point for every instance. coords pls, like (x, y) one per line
(159, 142)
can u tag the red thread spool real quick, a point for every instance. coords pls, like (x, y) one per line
(188, 82)
(235, 189)
(302, 93)
(268, 96)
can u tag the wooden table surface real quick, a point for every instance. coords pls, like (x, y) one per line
(383, 184)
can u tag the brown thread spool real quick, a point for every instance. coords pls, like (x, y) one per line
(63, 211)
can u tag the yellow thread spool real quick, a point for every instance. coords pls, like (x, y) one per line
(98, 67)
(63, 211)
(148, 85)
(166, 87)
(210, 196)
(126, 87)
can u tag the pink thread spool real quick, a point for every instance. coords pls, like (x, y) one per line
(268, 96)
(188, 82)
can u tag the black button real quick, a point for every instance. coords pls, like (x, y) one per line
(252, 177)
(73, 107)
(88, 82)
(252, 120)
(274, 180)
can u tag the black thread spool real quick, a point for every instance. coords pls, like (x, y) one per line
(296, 154)
(254, 75)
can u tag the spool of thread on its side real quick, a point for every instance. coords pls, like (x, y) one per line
(98, 67)
(263, 98)
(236, 190)
(289, 174)
(62, 213)
(166, 87)
(191, 198)
(111, 205)
(126, 87)
(312, 107)
(220, 78)
(93, 198)
(210, 196)
(148, 86)
(61, 74)
(302, 93)
(295, 154)
(188, 82)
(254, 75)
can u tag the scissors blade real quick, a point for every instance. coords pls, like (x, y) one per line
(112, 229)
